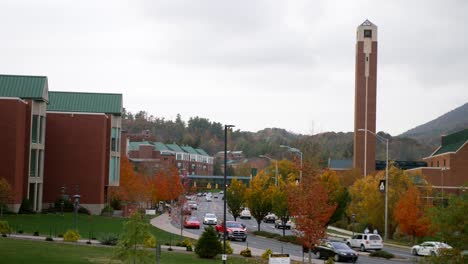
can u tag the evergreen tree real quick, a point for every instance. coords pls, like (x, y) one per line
(208, 246)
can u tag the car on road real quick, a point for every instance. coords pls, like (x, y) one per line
(339, 251)
(215, 196)
(199, 194)
(270, 218)
(235, 230)
(191, 222)
(245, 214)
(288, 225)
(366, 242)
(429, 248)
(193, 205)
(221, 192)
(210, 219)
(209, 198)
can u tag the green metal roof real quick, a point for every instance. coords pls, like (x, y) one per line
(174, 147)
(22, 86)
(85, 102)
(136, 144)
(202, 152)
(189, 149)
(160, 146)
(452, 142)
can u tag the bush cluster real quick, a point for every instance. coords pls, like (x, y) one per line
(150, 242)
(208, 246)
(267, 253)
(4, 228)
(107, 210)
(246, 253)
(185, 243)
(71, 236)
(109, 239)
(26, 207)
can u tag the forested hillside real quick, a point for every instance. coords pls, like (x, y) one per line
(430, 132)
(208, 135)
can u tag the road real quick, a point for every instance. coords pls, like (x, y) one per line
(216, 207)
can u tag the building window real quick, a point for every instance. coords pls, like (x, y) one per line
(444, 162)
(367, 33)
(35, 124)
(41, 128)
(432, 163)
(115, 139)
(33, 162)
(438, 164)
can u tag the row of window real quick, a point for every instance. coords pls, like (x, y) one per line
(36, 162)
(114, 170)
(115, 139)
(37, 130)
(438, 165)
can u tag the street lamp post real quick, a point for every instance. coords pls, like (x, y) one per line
(276, 167)
(442, 170)
(353, 219)
(77, 204)
(386, 178)
(226, 127)
(295, 150)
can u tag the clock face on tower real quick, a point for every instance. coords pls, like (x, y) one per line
(367, 33)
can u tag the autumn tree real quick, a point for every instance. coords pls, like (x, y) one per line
(235, 197)
(337, 193)
(410, 216)
(5, 194)
(368, 203)
(279, 198)
(133, 186)
(309, 203)
(258, 197)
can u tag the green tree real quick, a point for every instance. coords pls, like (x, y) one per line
(208, 246)
(337, 193)
(5, 194)
(258, 197)
(135, 232)
(450, 222)
(279, 198)
(235, 196)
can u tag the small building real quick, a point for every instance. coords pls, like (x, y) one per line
(153, 156)
(447, 166)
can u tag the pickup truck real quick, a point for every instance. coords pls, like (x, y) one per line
(235, 230)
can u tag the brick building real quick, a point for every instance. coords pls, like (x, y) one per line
(447, 167)
(153, 156)
(57, 139)
(23, 102)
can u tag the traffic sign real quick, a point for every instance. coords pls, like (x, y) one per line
(382, 185)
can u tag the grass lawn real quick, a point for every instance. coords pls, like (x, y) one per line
(24, 251)
(88, 225)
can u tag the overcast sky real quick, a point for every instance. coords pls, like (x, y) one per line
(253, 64)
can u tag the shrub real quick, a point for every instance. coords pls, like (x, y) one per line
(267, 253)
(330, 261)
(4, 228)
(116, 204)
(20, 231)
(36, 233)
(107, 210)
(246, 253)
(49, 239)
(109, 239)
(382, 254)
(150, 242)
(185, 243)
(71, 236)
(26, 207)
(67, 205)
(229, 249)
(83, 210)
(208, 246)
(290, 239)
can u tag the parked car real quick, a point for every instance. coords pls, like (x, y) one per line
(245, 214)
(192, 222)
(288, 225)
(366, 241)
(270, 218)
(429, 248)
(199, 194)
(210, 219)
(215, 196)
(235, 230)
(339, 251)
(208, 198)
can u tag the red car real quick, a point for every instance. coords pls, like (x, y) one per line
(192, 222)
(235, 230)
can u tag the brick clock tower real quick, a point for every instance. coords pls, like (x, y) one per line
(365, 98)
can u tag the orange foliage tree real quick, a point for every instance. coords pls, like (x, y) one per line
(166, 185)
(410, 215)
(133, 186)
(309, 203)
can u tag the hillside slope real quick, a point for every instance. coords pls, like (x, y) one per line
(430, 132)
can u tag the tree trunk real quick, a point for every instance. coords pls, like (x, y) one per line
(258, 224)
(310, 256)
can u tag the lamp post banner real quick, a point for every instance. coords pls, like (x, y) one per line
(382, 186)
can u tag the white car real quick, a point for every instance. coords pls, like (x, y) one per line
(208, 198)
(288, 225)
(210, 219)
(429, 248)
(366, 241)
(245, 214)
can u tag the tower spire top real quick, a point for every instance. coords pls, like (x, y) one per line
(367, 23)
